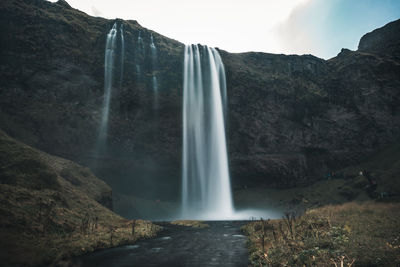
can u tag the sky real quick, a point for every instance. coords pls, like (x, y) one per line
(318, 27)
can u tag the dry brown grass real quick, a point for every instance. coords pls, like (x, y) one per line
(190, 223)
(353, 234)
(46, 216)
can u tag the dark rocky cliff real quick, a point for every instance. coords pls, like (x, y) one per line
(294, 118)
(384, 40)
(291, 118)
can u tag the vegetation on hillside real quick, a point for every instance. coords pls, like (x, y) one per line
(50, 209)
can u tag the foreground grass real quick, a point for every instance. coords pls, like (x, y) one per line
(28, 247)
(350, 234)
(190, 223)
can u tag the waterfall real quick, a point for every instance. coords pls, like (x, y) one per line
(154, 81)
(121, 77)
(138, 54)
(152, 45)
(155, 91)
(206, 191)
(108, 81)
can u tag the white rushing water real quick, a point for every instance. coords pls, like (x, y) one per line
(154, 81)
(121, 77)
(155, 91)
(206, 190)
(108, 81)
(138, 54)
(152, 45)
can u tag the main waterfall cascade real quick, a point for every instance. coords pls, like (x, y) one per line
(206, 190)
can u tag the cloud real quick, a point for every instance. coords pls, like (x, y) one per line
(95, 12)
(322, 27)
(318, 27)
(299, 33)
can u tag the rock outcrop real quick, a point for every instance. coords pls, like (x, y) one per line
(291, 118)
(384, 40)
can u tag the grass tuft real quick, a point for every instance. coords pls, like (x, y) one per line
(190, 223)
(343, 235)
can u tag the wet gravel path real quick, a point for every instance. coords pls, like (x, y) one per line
(221, 244)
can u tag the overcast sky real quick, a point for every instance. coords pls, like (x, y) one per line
(318, 27)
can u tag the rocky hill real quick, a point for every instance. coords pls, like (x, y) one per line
(51, 209)
(295, 118)
(291, 118)
(383, 41)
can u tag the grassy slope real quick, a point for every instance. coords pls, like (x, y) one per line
(368, 234)
(49, 209)
(362, 230)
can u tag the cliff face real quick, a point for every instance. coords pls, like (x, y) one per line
(291, 118)
(384, 40)
(295, 118)
(52, 73)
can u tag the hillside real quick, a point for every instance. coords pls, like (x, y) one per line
(51, 209)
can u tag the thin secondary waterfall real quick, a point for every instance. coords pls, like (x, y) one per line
(152, 45)
(108, 81)
(121, 77)
(139, 53)
(154, 81)
(206, 191)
